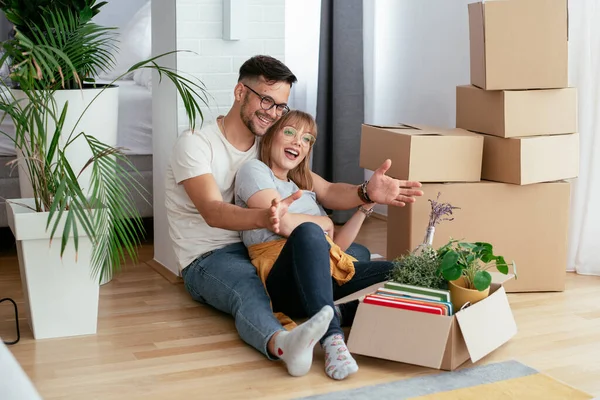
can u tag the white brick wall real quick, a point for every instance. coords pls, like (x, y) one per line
(217, 62)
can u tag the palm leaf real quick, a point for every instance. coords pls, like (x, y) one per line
(56, 135)
(109, 190)
(65, 234)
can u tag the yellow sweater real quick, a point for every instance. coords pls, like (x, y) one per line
(264, 255)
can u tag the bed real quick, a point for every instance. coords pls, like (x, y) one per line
(134, 134)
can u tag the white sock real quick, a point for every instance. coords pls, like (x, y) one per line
(338, 360)
(295, 347)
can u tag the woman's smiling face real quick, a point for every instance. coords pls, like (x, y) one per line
(290, 147)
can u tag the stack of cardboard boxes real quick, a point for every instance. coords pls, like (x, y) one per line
(505, 166)
(521, 111)
(520, 100)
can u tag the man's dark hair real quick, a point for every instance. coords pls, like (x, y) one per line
(268, 67)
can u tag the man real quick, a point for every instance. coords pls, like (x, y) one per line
(204, 224)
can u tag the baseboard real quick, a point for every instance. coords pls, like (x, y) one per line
(379, 216)
(164, 271)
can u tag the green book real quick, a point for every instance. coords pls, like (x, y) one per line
(419, 291)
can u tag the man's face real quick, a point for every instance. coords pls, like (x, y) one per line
(253, 114)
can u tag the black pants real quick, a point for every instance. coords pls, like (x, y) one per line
(300, 282)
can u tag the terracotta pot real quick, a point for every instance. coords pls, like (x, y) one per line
(460, 295)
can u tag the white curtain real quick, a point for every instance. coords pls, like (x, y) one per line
(302, 33)
(584, 66)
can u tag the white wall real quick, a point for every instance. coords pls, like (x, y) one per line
(217, 62)
(416, 53)
(302, 51)
(164, 125)
(197, 25)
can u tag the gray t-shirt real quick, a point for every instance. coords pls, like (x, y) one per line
(254, 176)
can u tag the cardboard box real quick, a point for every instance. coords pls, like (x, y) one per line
(516, 113)
(421, 153)
(534, 159)
(527, 224)
(434, 341)
(519, 44)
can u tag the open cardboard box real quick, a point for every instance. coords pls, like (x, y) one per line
(433, 341)
(423, 153)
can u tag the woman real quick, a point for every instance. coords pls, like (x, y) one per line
(303, 277)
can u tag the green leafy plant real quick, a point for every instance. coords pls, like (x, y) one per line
(57, 47)
(21, 13)
(58, 44)
(471, 261)
(419, 269)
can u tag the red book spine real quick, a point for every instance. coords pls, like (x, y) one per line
(403, 306)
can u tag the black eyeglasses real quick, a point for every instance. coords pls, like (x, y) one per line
(266, 103)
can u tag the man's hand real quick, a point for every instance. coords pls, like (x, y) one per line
(383, 189)
(278, 209)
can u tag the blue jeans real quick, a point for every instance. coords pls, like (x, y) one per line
(227, 281)
(300, 282)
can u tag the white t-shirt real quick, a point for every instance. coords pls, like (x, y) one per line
(197, 153)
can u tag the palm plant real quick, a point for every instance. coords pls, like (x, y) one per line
(58, 47)
(61, 29)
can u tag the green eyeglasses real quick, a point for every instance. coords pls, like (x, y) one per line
(307, 140)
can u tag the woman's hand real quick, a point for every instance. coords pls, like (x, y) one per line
(329, 227)
(326, 224)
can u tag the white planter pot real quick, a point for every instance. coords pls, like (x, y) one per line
(61, 295)
(100, 121)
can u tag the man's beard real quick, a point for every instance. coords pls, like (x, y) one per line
(250, 124)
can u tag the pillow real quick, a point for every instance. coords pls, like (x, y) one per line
(143, 77)
(135, 44)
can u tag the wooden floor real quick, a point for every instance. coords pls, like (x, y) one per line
(154, 342)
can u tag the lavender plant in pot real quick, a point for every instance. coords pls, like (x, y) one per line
(439, 212)
(420, 267)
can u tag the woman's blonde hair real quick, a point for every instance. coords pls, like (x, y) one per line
(300, 175)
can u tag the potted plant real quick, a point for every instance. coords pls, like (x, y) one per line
(465, 265)
(420, 267)
(81, 185)
(439, 212)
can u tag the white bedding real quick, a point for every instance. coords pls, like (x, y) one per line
(134, 127)
(135, 118)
